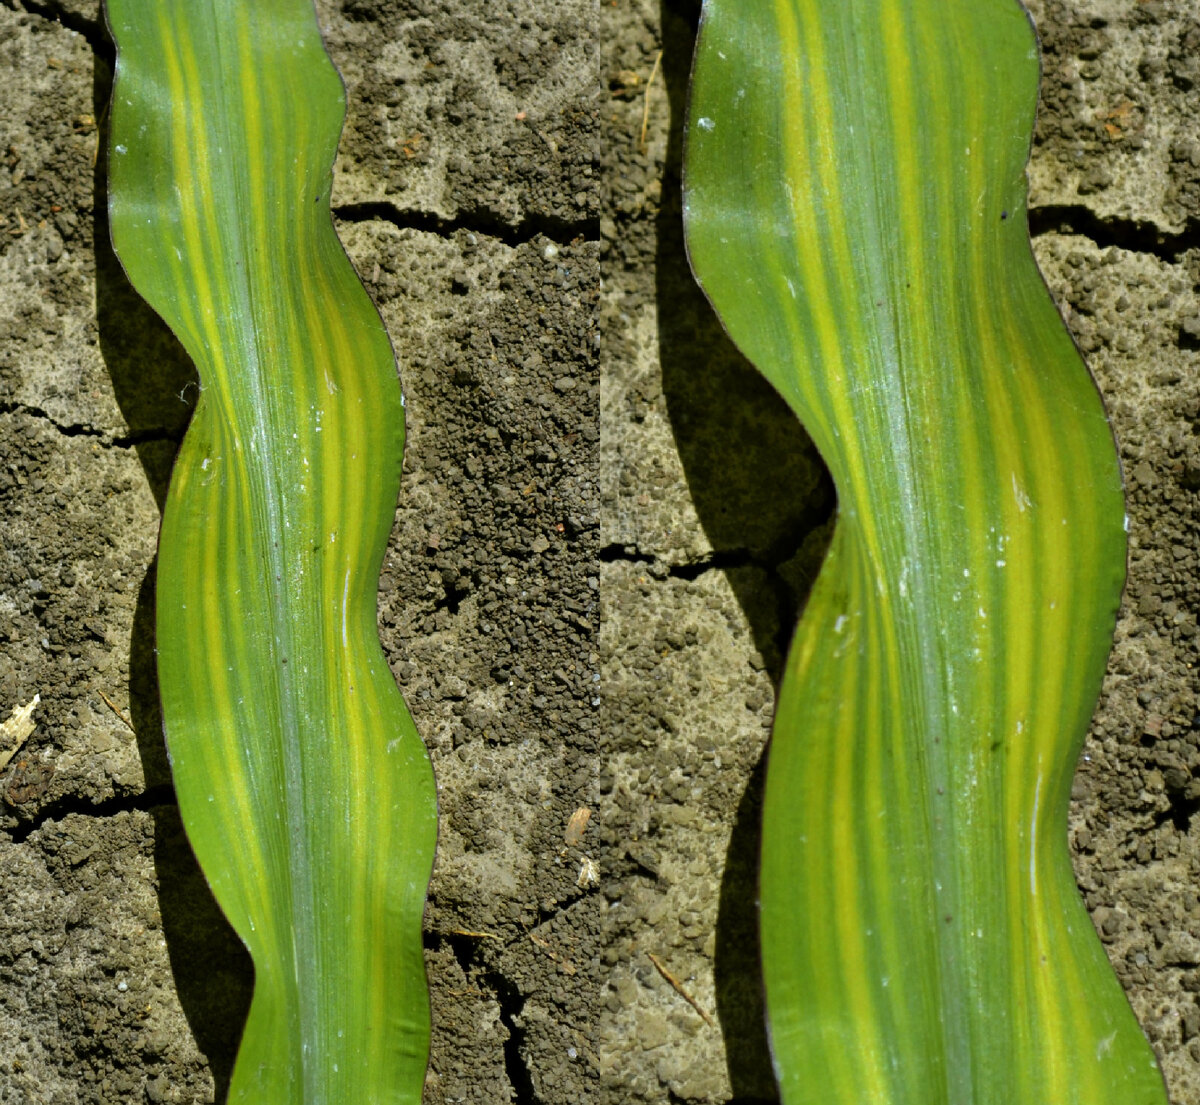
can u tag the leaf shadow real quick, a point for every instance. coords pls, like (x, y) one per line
(766, 502)
(153, 379)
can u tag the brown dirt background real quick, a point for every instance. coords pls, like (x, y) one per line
(596, 561)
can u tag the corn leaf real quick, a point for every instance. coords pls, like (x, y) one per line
(305, 790)
(855, 210)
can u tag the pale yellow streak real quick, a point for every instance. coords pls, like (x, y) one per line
(190, 154)
(225, 744)
(1054, 640)
(191, 159)
(799, 172)
(873, 800)
(1016, 523)
(852, 951)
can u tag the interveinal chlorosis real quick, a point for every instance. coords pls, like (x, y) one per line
(855, 210)
(305, 790)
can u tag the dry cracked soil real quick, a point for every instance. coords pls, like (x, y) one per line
(592, 577)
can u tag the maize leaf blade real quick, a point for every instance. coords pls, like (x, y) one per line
(305, 790)
(855, 211)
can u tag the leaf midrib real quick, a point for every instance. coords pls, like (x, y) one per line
(267, 484)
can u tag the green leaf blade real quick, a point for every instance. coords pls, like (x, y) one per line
(855, 210)
(305, 789)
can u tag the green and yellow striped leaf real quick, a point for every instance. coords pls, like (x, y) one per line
(306, 792)
(855, 211)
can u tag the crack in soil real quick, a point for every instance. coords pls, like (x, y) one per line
(1132, 235)
(146, 800)
(93, 31)
(718, 560)
(79, 429)
(511, 1003)
(479, 221)
(1179, 812)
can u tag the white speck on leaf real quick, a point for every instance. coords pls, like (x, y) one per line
(1019, 495)
(1037, 798)
(345, 604)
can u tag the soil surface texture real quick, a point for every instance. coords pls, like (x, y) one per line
(596, 565)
